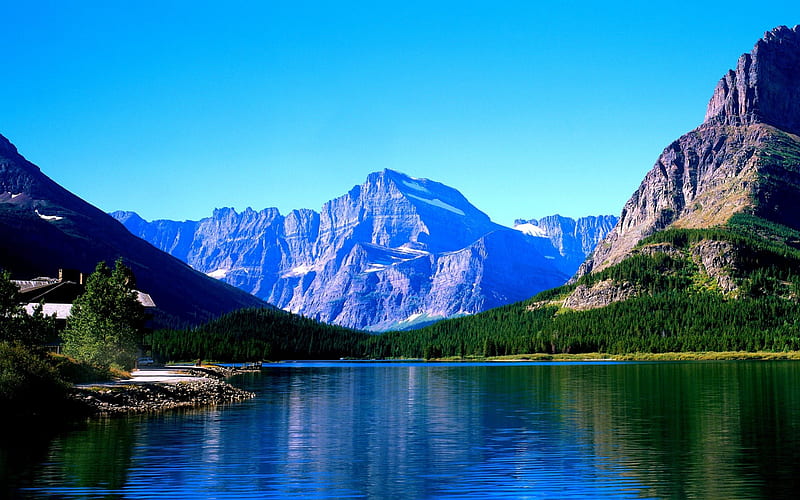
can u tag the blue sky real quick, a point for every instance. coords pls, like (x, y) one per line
(171, 109)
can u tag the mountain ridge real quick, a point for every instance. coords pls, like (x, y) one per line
(391, 252)
(706, 253)
(763, 88)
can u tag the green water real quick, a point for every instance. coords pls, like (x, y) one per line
(356, 430)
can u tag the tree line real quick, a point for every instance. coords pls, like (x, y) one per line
(676, 310)
(257, 334)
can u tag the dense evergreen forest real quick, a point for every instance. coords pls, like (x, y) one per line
(257, 334)
(678, 308)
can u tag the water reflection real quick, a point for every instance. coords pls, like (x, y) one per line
(708, 430)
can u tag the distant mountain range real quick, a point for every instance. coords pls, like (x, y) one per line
(44, 227)
(574, 240)
(394, 252)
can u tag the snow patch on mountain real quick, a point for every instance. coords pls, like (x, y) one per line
(436, 202)
(48, 217)
(218, 273)
(416, 186)
(531, 229)
(298, 271)
(373, 268)
(406, 249)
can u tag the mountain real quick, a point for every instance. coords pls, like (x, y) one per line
(44, 227)
(742, 159)
(738, 172)
(574, 239)
(393, 252)
(706, 253)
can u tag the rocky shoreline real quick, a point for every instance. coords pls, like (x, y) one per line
(125, 398)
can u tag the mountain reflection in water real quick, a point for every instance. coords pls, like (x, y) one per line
(415, 430)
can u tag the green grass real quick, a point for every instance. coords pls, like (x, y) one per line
(663, 356)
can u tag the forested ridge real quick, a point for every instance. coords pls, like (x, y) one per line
(258, 334)
(677, 308)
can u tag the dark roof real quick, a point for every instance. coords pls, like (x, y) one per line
(62, 292)
(53, 291)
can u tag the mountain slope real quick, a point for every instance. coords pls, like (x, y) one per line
(729, 288)
(44, 227)
(391, 253)
(742, 159)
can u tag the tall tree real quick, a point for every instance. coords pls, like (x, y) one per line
(105, 324)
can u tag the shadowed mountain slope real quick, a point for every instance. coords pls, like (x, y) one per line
(44, 227)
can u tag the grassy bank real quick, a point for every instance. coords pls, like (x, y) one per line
(642, 356)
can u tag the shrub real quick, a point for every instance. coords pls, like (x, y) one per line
(29, 385)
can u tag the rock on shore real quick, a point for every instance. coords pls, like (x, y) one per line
(157, 396)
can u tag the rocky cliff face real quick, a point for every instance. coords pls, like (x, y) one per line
(393, 252)
(764, 86)
(743, 158)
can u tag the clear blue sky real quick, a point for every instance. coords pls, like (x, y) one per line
(171, 109)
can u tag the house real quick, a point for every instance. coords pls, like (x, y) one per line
(57, 294)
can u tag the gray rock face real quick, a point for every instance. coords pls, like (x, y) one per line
(393, 252)
(764, 87)
(601, 294)
(719, 260)
(574, 240)
(741, 159)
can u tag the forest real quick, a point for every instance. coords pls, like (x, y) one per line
(678, 309)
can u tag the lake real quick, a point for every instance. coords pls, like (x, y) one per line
(460, 430)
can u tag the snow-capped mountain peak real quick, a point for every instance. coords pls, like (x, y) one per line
(390, 251)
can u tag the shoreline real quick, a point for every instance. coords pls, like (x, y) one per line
(154, 390)
(651, 356)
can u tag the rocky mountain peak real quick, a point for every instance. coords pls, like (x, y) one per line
(17, 175)
(764, 87)
(45, 227)
(422, 193)
(126, 216)
(392, 252)
(573, 239)
(741, 159)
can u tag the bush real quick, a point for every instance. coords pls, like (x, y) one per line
(29, 385)
(78, 372)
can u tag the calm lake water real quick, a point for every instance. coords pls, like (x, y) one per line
(354, 430)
